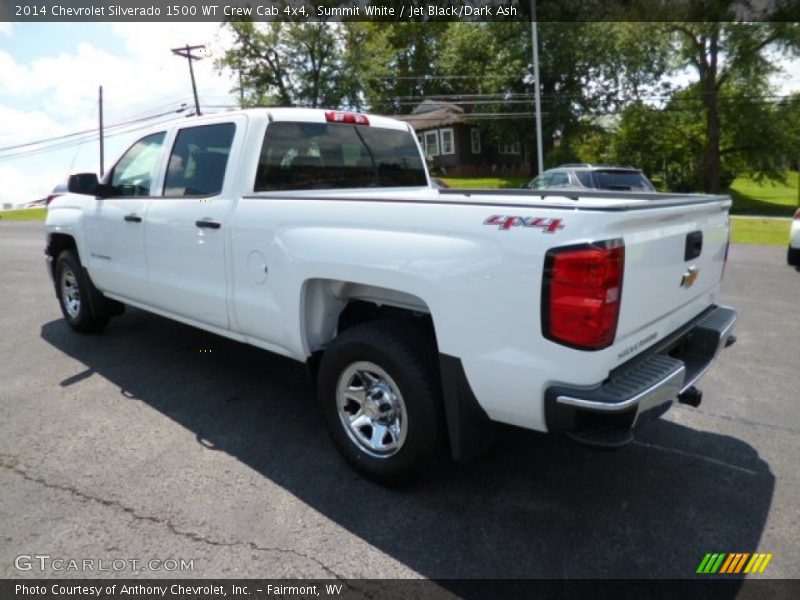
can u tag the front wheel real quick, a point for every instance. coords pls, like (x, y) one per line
(380, 393)
(73, 290)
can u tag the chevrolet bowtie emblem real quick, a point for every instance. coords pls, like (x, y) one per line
(689, 277)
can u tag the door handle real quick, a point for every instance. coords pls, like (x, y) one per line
(133, 218)
(208, 224)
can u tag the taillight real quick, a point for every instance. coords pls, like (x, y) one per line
(50, 198)
(335, 116)
(797, 215)
(581, 294)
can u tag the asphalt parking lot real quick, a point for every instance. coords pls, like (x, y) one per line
(158, 441)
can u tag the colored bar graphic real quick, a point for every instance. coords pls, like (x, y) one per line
(732, 558)
(733, 563)
(717, 564)
(765, 563)
(757, 564)
(749, 566)
(703, 563)
(741, 562)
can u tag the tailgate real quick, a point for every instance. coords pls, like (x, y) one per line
(674, 260)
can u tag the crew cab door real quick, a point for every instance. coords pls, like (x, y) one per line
(185, 228)
(114, 225)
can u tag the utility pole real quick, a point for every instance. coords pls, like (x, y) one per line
(186, 52)
(100, 112)
(536, 91)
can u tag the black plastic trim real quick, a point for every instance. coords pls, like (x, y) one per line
(691, 349)
(694, 245)
(208, 224)
(469, 427)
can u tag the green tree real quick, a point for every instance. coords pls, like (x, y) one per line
(396, 63)
(730, 59)
(288, 63)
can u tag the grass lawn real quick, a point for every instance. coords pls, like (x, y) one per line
(766, 232)
(765, 198)
(487, 183)
(25, 214)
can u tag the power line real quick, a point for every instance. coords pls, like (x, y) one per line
(89, 131)
(48, 149)
(90, 138)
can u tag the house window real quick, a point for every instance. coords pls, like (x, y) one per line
(475, 138)
(432, 142)
(512, 148)
(448, 146)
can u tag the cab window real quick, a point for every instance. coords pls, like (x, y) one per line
(134, 172)
(558, 179)
(541, 182)
(198, 160)
(306, 156)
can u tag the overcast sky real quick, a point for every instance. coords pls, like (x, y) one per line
(49, 76)
(50, 72)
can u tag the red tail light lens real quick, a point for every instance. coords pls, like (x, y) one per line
(581, 294)
(50, 198)
(335, 116)
(797, 215)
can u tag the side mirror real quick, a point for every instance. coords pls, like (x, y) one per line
(87, 184)
(83, 183)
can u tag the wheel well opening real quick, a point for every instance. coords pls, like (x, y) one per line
(333, 306)
(360, 311)
(57, 244)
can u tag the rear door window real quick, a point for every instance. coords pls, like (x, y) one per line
(305, 156)
(198, 160)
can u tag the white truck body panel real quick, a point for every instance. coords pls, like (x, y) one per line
(283, 264)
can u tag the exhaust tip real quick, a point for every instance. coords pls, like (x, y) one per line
(692, 396)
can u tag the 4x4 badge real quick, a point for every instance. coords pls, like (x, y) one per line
(543, 223)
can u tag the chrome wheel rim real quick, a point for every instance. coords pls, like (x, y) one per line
(70, 293)
(371, 409)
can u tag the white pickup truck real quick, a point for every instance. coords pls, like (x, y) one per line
(424, 315)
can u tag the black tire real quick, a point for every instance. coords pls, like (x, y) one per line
(85, 316)
(408, 356)
(793, 256)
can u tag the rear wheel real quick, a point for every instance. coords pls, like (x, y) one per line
(74, 292)
(793, 256)
(380, 393)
